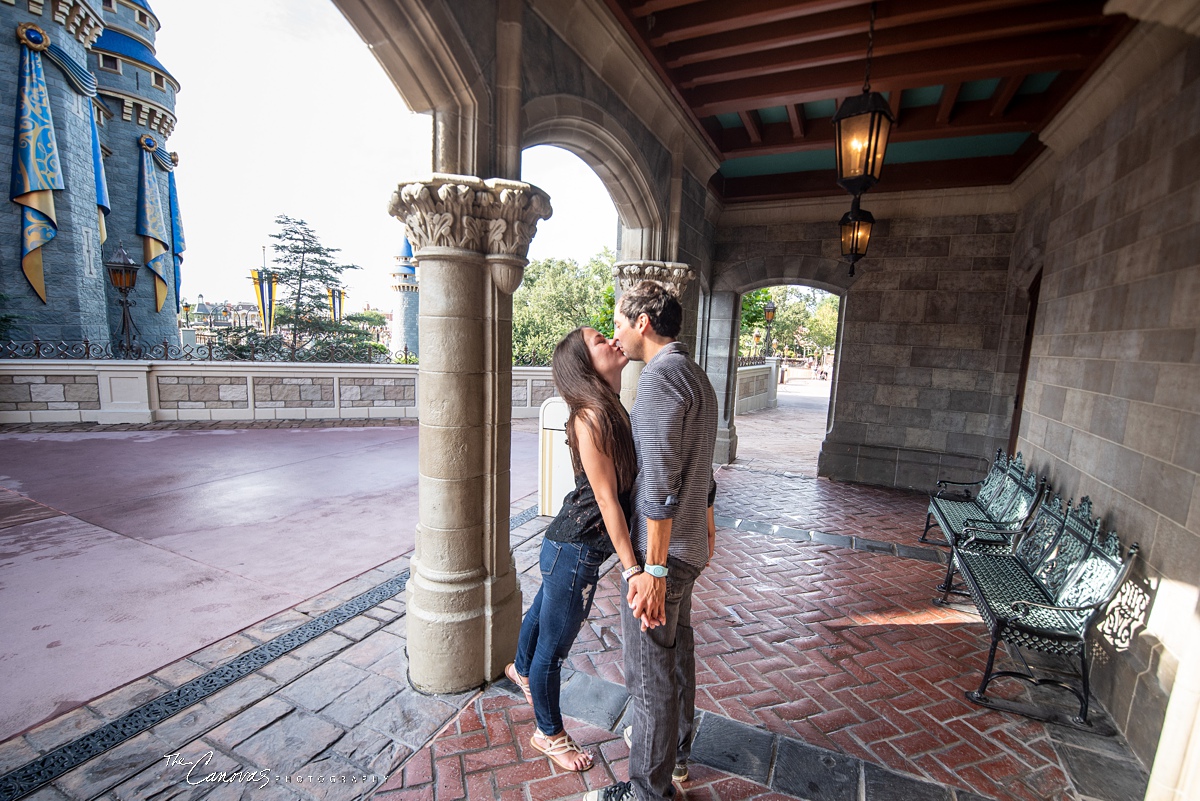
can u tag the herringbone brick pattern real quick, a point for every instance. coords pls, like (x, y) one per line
(484, 755)
(858, 510)
(844, 650)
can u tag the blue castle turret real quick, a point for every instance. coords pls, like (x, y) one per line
(408, 301)
(87, 83)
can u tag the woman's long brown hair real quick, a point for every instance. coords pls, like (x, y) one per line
(583, 388)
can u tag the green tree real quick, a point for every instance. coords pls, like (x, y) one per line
(558, 295)
(306, 271)
(822, 329)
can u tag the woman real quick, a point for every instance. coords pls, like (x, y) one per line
(591, 525)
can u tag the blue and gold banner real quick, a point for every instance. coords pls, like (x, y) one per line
(177, 243)
(152, 223)
(264, 292)
(336, 298)
(35, 168)
(102, 202)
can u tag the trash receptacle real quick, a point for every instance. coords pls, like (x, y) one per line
(556, 476)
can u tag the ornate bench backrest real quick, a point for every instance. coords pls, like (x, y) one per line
(993, 482)
(1069, 549)
(1098, 578)
(1047, 525)
(1010, 488)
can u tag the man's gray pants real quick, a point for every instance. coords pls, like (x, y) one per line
(660, 675)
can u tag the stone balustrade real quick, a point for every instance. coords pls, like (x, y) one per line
(108, 391)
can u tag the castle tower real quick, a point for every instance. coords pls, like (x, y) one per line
(138, 114)
(57, 258)
(408, 299)
(88, 86)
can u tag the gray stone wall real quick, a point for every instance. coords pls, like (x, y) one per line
(75, 282)
(1114, 376)
(48, 392)
(391, 392)
(925, 384)
(203, 392)
(275, 392)
(550, 67)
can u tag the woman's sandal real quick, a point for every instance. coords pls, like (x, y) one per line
(563, 750)
(516, 678)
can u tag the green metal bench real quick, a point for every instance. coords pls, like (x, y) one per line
(1044, 595)
(1003, 504)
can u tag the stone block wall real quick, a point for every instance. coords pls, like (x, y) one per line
(925, 379)
(387, 392)
(49, 392)
(1111, 406)
(202, 392)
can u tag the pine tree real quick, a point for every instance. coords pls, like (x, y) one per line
(306, 271)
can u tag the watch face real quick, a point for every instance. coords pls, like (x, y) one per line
(658, 571)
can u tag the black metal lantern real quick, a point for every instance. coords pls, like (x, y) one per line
(856, 233)
(122, 273)
(861, 127)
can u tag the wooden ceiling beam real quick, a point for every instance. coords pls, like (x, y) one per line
(907, 39)
(796, 120)
(752, 125)
(1005, 93)
(818, 27)
(972, 118)
(649, 7)
(984, 171)
(945, 106)
(719, 16)
(959, 64)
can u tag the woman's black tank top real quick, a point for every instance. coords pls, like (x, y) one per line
(579, 519)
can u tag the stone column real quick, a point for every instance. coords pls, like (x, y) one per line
(773, 382)
(725, 320)
(674, 276)
(470, 238)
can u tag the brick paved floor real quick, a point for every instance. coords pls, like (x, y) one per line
(876, 513)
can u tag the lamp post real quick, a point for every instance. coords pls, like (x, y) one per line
(187, 313)
(769, 314)
(757, 339)
(122, 272)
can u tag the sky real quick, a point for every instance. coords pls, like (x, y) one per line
(284, 110)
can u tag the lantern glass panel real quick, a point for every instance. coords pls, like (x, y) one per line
(856, 236)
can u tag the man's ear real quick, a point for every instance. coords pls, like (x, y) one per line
(642, 323)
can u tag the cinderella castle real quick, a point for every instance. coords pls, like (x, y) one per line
(90, 171)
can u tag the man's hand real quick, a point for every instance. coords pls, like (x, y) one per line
(647, 599)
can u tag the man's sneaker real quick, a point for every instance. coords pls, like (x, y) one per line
(679, 774)
(621, 791)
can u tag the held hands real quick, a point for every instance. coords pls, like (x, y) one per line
(647, 599)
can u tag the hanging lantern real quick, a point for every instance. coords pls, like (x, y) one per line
(856, 233)
(861, 127)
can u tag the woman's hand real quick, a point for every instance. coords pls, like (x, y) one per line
(647, 600)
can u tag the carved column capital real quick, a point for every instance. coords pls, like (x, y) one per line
(673, 275)
(440, 211)
(496, 217)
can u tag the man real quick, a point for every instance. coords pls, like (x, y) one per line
(675, 429)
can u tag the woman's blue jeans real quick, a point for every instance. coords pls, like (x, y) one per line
(569, 575)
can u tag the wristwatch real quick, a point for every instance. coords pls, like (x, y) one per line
(658, 571)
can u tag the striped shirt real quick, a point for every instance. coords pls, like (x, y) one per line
(675, 430)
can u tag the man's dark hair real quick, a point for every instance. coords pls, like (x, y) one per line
(657, 303)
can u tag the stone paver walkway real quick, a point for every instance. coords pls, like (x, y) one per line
(824, 673)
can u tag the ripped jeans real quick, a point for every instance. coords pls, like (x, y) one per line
(569, 574)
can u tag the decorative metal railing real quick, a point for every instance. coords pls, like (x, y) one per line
(263, 350)
(751, 361)
(260, 351)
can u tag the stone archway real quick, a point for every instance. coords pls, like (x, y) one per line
(593, 135)
(731, 281)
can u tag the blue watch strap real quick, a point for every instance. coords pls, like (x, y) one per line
(658, 571)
